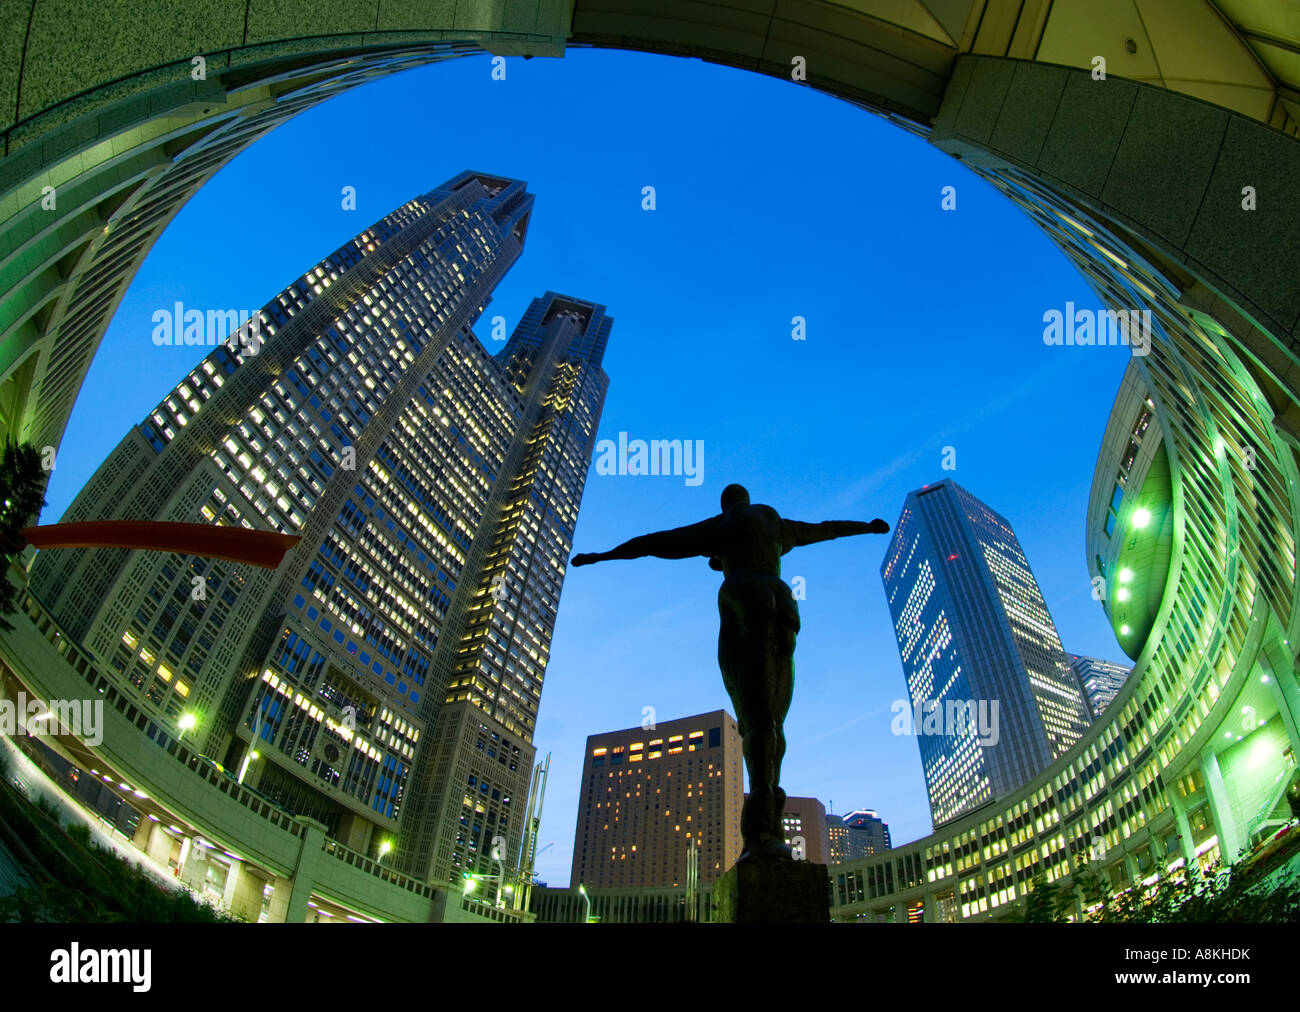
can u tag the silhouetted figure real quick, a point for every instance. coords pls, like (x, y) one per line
(756, 640)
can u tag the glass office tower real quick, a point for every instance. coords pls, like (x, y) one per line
(387, 675)
(976, 639)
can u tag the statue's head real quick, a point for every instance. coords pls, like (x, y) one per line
(734, 495)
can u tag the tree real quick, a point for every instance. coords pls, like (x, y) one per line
(1042, 904)
(22, 487)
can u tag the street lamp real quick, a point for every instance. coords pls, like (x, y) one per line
(583, 890)
(187, 722)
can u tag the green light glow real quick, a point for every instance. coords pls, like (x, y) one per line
(1123, 594)
(1141, 517)
(1125, 575)
(1124, 630)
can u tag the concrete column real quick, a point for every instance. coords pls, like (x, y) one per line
(194, 866)
(289, 902)
(1179, 805)
(153, 841)
(143, 834)
(930, 915)
(243, 894)
(1135, 875)
(1225, 824)
(1277, 663)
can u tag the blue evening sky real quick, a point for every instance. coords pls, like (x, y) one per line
(924, 330)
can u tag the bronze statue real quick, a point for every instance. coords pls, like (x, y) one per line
(756, 640)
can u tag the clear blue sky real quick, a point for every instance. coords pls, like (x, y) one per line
(924, 330)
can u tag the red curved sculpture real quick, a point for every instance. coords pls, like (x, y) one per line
(234, 544)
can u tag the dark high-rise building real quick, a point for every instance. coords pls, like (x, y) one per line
(1100, 680)
(992, 698)
(649, 794)
(856, 835)
(868, 833)
(837, 840)
(388, 673)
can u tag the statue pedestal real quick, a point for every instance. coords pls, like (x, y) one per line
(773, 892)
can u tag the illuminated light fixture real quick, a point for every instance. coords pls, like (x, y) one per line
(1122, 594)
(1141, 517)
(187, 721)
(141, 794)
(385, 848)
(1124, 630)
(1125, 575)
(1265, 679)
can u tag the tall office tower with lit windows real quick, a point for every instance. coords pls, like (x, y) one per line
(387, 675)
(978, 646)
(649, 795)
(1100, 680)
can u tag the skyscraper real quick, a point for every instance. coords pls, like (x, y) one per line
(993, 700)
(388, 673)
(1100, 680)
(649, 794)
(868, 833)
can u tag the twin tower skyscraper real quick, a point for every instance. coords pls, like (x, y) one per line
(388, 674)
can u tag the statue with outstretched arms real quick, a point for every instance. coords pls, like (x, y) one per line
(756, 640)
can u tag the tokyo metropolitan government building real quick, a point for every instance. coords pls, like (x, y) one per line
(385, 679)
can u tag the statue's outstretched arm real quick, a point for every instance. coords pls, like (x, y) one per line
(796, 533)
(678, 543)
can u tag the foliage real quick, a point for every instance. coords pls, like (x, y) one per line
(1222, 897)
(22, 486)
(76, 881)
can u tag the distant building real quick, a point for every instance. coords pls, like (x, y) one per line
(868, 833)
(805, 818)
(1100, 680)
(649, 794)
(991, 698)
(837, 840)
(633, 905)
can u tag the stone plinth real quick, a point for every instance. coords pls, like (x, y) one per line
(773, 892)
